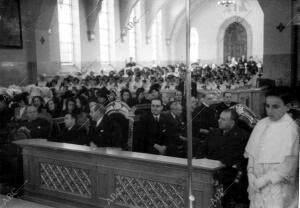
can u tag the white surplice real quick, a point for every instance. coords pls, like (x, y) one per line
(273, 153)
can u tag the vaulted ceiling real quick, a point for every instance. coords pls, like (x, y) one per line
(172, 11)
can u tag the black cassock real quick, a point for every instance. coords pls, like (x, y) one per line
(75, 135)
(222, 106)
(175, 128)
(229, 149)
(39, 128)
(203, 117)
(152, 133)
(107, 134)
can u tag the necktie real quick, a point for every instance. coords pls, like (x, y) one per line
(156, 123)
(156, 129)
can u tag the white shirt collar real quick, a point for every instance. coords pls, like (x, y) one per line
(22, 110)
(205, 104)
(156, 116)
(174, 116)
(70, 127)
(99, 121)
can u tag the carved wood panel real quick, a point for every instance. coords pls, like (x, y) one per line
(138, 192)
(65, 179)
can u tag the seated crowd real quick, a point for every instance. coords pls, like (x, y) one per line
(73, 110)
(37, 111)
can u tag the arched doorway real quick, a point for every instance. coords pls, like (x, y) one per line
(235, 41)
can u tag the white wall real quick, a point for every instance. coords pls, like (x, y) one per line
(144, 53)
(48, 53)
(144, 50)
(208, 18)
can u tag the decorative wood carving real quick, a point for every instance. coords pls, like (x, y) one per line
(143, 193)
(61, 178)
(60, 175)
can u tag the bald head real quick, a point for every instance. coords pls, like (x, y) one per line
(32, 112)
(176, 108)
(208, 98)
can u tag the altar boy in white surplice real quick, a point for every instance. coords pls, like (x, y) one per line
(273, 151)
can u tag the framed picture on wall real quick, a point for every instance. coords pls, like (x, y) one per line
(10, 24)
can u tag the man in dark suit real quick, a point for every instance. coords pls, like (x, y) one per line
(204, 117)
(174, 131)
(5, 113)
(104, 131)
(227, 144)
(154, 129)
(72, 133)
(34, 127)
(241, 65)
(226, 104)
(252, 66)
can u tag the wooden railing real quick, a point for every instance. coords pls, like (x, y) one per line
(60, 174)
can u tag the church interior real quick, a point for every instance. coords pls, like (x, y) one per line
(96, 111)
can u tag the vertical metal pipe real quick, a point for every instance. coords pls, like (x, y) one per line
(188, 108)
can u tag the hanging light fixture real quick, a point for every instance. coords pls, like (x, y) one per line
(225, 3)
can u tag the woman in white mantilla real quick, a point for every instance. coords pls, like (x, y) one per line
(273, 150)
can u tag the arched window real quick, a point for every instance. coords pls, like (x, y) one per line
(235, 41)
(106, 31)
(194, 49)
(156, 37)
(68, 30)
(134, 30)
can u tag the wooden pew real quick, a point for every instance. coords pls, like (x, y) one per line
(60, 175)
